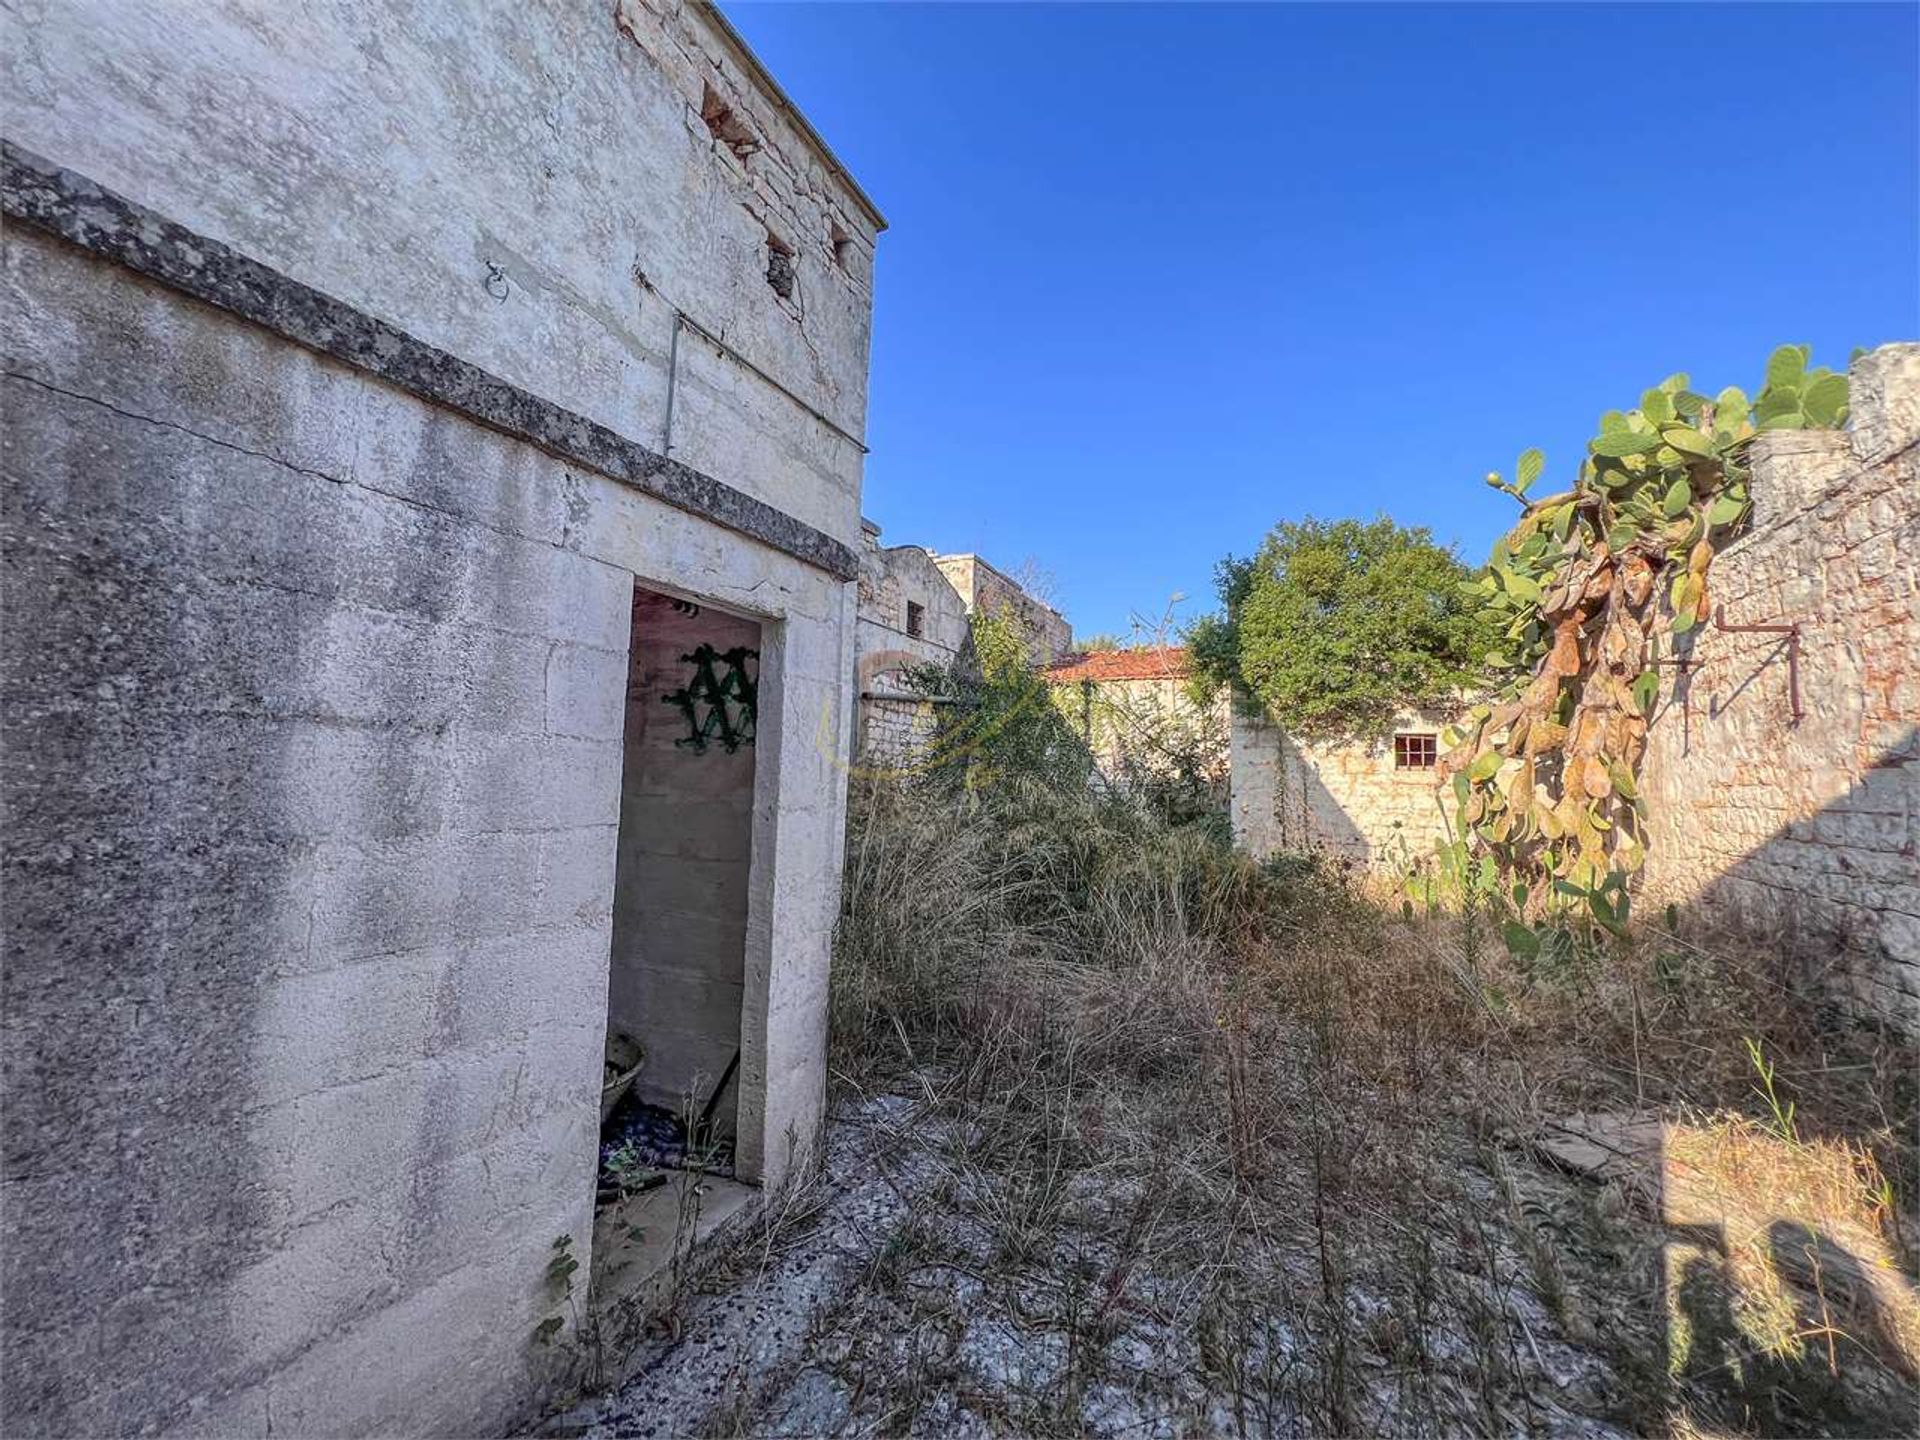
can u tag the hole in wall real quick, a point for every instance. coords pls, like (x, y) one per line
(841, 244)
(780, 272)
(724, 125)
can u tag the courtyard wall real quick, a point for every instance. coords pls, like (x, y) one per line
(1805, 832)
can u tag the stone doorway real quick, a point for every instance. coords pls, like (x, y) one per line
(676, 988)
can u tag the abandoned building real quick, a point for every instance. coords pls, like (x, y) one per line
(434, 456)
(1132, 708)
(1783, 761)
(914, 611)
(983, 588)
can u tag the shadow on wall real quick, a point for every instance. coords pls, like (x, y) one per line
(1837, 894)
(1307, 814)
(1351, 800)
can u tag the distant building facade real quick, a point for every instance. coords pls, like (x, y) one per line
(983, 588)
(1134, 710)
(915, 609)
(1373, 803)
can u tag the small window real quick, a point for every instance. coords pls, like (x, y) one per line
(841, 244)
(916, 618)
(1414, 752)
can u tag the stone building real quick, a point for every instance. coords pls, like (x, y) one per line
(981, 587)
(433, 471)
(909, 616)
(1132, 708)
(915, 608)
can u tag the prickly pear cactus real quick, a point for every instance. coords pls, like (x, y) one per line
(1541, 786)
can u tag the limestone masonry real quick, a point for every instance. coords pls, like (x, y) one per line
(370, 455)
(1807, 830)
(1132, 709)
(914, 611)
(1782, 769)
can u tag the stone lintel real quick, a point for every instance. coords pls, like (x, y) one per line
(36, 192)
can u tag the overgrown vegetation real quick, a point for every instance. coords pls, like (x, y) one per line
(1336, 626)
(1544, 782)
(1198, 1143)
(1002, 718)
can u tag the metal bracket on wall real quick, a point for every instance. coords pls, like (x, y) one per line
(1791, 631)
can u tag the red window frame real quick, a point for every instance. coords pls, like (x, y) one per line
(1416, 751)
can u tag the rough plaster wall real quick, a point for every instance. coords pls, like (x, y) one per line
(1344, 798)
(313, 702)
(390, 155)
(1810, 831)
(680, 888)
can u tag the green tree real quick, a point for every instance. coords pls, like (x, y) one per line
(1334, 626)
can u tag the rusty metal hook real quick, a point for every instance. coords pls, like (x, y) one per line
(1791, 631)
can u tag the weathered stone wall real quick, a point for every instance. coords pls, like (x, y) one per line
(980, 586)
(1806, 832)
(897, 731)
(893, 576)
(422, 162)
(1344, 798)
(896, 723)
(313, 715)
(313, 690)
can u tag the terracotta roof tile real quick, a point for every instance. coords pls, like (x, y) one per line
(1146, 662)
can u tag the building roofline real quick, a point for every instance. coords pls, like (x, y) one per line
(985, 563)
(1133, 662)
(764, 77)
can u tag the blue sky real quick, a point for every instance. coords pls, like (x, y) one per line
(1159, 276)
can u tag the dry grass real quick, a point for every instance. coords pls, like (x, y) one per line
(1225, 1146)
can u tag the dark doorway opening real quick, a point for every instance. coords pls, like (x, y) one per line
(677, 971)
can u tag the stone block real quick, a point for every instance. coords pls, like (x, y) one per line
(576, 876)
(380, 896)
(1899, 938)
(495, 993)
(553, 783)
(1884, 397)
(351, 1023)
(586, 692)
